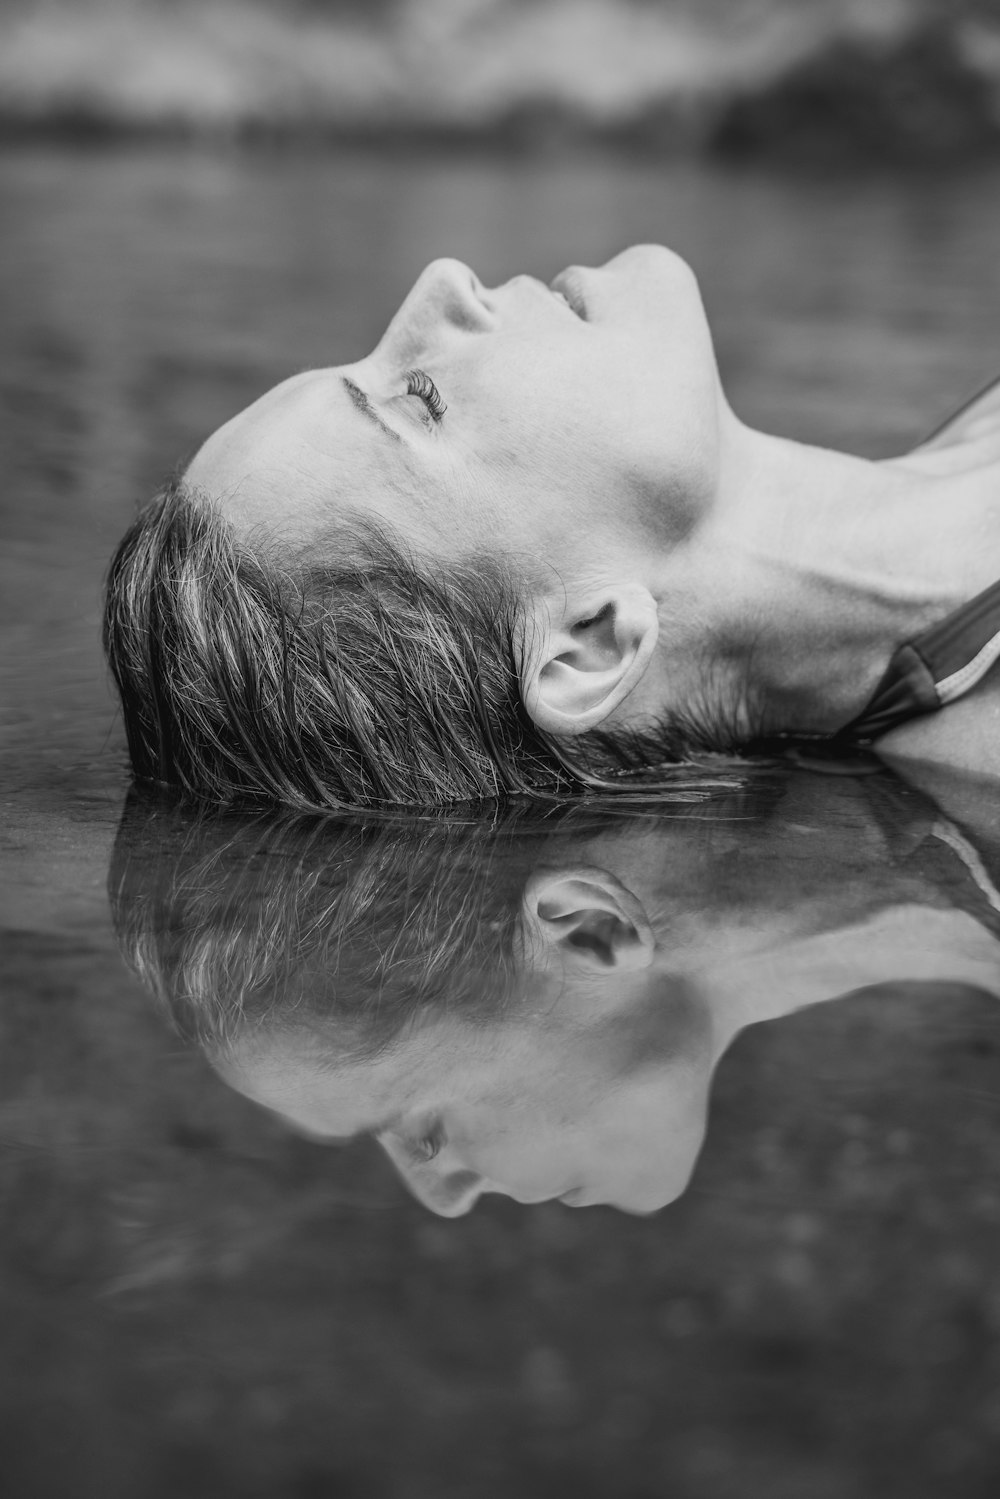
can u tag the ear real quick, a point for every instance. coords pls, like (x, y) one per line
(588, 919)
(589, 658)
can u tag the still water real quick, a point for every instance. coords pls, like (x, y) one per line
(198, 1299)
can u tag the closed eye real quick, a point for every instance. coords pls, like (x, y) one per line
(420, 384)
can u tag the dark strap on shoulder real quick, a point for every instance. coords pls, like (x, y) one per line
(936, 667)
(947, 660)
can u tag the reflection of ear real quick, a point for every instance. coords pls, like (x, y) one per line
(588, 660)
(587, 917)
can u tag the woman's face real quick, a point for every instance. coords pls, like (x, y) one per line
(612, 1114)
(524, 417)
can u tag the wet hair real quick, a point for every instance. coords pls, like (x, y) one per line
(249, 674)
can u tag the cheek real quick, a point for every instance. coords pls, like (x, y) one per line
(622, 441)
(447, 508)
(673, 463)
(535, 1169)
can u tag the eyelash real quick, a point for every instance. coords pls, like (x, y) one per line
(424, 1148)
(420, 384)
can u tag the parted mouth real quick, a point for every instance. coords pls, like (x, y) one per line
(567, 287)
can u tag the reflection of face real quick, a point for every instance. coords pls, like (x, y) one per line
(594, 1089)
(591, 1084)
(534, 1107)
(565, 413)
(580, 1136)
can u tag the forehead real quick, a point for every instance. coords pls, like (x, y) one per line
(299, 1074)
(298, 456)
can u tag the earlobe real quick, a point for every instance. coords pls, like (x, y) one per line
(587, 918)
(589, 660)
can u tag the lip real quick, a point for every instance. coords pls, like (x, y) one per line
(568, 284)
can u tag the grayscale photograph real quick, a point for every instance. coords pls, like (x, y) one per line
(500, 749)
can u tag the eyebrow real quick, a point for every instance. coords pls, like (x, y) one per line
(364, 405)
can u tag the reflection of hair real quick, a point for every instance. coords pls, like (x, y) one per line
(285, 920)
(327, 684)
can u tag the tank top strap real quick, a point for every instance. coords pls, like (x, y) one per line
(948, 660)
(941, 664)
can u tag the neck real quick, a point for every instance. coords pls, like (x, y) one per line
(905, 944)
(813, 566)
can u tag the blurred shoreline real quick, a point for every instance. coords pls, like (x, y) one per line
(898, 80)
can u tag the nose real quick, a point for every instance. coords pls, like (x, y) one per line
(449, 1194)
(448, 1191)
(447, 295)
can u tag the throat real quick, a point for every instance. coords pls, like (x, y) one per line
(829, 563)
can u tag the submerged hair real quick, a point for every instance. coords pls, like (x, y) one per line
(246, 676)
(250, 676)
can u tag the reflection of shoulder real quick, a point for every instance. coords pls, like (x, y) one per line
(963, 737)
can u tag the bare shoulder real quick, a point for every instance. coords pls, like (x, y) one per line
(978, 418)
(964, 736)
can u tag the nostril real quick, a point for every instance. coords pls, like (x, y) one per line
(482, 296)
(450, 1194)
(456, 1194)
(460, 294)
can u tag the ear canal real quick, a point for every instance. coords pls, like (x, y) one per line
(600, 936)
(597, 640)
(590, 917)
(601, 617)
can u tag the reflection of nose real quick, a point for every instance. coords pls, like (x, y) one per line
(449, 292)
(449, 1192)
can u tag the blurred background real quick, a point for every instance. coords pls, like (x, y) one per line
(915, 77)
(197, 198)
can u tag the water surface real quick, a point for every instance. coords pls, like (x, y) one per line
(197, 1300)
